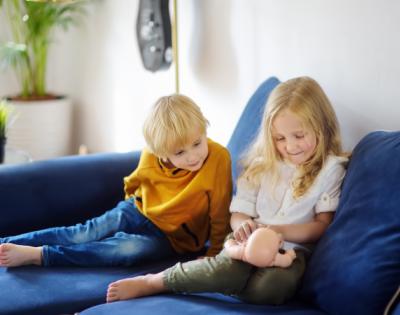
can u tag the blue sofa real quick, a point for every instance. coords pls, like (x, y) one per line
(355, 268)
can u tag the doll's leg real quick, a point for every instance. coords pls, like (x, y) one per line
(211, 274)
(274, 285)
(121, 218)
(234, 249)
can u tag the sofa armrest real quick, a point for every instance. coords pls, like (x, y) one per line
(61, 191)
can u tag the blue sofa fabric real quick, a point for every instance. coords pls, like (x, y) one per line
(61, 191)
(60, 290)
(354, 269)
(249, 123)
(196, 304)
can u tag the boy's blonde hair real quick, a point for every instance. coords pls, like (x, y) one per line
(172, 123)
(305, 98)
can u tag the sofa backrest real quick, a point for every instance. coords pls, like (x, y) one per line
(61, 191)
(355, 268)
(249, 123)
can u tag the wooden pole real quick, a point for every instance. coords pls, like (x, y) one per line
(175, 45)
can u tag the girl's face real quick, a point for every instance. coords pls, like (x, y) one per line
(294, 143)
(192, 156)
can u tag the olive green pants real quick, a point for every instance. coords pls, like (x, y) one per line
(271, 285)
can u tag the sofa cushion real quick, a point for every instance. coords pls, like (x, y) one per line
(356, 265)
(60, 290)
(249, 122)
(194, 304)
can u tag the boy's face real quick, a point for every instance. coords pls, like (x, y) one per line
(192, 156)
(294, 143)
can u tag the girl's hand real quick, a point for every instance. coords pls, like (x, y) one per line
(242, 233)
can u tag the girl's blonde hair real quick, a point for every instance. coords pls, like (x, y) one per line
(172, 123)
(305, 98)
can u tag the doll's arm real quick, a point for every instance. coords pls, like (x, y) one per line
(284, 260)
(234, 249)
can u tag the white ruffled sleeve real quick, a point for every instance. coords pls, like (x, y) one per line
(245, 199)
(333, 179)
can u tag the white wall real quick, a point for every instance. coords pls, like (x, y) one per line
(350, 47)
(227, 48)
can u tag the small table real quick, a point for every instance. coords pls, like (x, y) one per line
(15, 156)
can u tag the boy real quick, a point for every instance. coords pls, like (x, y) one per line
(176, 200)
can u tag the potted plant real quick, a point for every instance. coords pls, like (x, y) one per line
(32, 26)
(4, 118)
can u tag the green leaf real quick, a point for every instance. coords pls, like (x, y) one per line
(12, 54)
(4, 117)
(32, 25)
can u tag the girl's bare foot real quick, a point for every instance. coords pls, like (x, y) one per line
(12, 255)
(131, 288)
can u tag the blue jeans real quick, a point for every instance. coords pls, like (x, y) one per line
(120, 237)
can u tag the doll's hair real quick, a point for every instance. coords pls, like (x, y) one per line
(305, 98)
(173, 121)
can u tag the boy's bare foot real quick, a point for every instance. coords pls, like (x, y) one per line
(12, 255)
(131, 288)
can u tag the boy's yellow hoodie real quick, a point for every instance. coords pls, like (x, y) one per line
(189, 207)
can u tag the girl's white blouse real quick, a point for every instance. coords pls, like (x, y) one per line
(276, 205)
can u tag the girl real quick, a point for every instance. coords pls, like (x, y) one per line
(290, 181)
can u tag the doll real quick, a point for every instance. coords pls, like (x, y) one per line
(262, 249)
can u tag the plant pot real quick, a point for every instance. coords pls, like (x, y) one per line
(41, 128)
(2, 149)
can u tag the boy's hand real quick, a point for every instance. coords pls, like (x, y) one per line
(242, 233)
